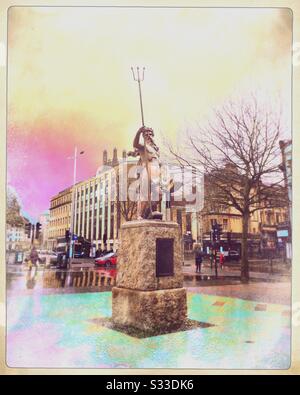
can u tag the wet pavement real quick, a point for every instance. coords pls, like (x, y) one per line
(279, 293)
(232, 271)
(53, 321)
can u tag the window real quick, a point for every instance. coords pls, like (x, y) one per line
(213, 221)
(112, 221)
(188, 222)
(179, 218)
(225, 224)
(90, 229)
(100, 228)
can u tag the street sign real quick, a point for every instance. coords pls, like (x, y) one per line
(283, 233)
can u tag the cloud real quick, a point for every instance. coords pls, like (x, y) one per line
(69, 79)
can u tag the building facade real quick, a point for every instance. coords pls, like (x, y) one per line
(44, 221)
(16, 238)
(286, 167)
(95, 209)
(284, 230)
(262, 231)
(59, 217)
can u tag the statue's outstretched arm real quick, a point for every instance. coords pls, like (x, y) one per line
(136, 141)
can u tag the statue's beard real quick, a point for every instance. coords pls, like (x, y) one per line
(149, 140)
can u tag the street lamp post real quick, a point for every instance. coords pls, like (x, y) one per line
(71, 251)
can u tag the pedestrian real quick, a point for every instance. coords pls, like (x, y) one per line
(221, 259)
(31, 279)
(98, 252)
(211, 257)
(198, 257)
(34, 257)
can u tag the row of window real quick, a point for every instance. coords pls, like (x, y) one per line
(60, 210)
(91, 189)
(53, 234)
(59, 221)
(266, 218)
(271, 218)
(83, 225)
(61, 200)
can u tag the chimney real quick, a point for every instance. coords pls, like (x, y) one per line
(105, 157)
(124, 154)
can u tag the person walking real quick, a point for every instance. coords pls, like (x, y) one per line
(221, 260)
(211, 258)
(98, 252)
(198, 257)
(34, 258)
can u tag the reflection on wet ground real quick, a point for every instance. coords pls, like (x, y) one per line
(59, 281)
(86, 278)
(54, 320)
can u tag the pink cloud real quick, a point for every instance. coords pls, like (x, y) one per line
(38, 167)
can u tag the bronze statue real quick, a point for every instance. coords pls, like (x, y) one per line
(149, 161)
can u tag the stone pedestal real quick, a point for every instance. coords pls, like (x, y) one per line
(149, 293)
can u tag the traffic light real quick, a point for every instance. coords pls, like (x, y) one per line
(219, 231)
(68, 235)
(28, 229)
(216, 232)
(213, 236)
(37, 230)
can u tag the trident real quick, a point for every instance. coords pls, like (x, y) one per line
(139, 80)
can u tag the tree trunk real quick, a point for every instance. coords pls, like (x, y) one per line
(244, 257)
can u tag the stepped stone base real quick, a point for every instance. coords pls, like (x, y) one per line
(148, 310)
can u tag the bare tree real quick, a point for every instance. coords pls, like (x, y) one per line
(239, 155)
(13, 216)
(127, 209)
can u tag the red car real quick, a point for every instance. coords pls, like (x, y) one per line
(107, 260)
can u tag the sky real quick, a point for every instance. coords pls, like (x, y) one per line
(70, 83)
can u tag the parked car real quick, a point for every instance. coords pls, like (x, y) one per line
(47, 257)
(79, 254)
(107, 260)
